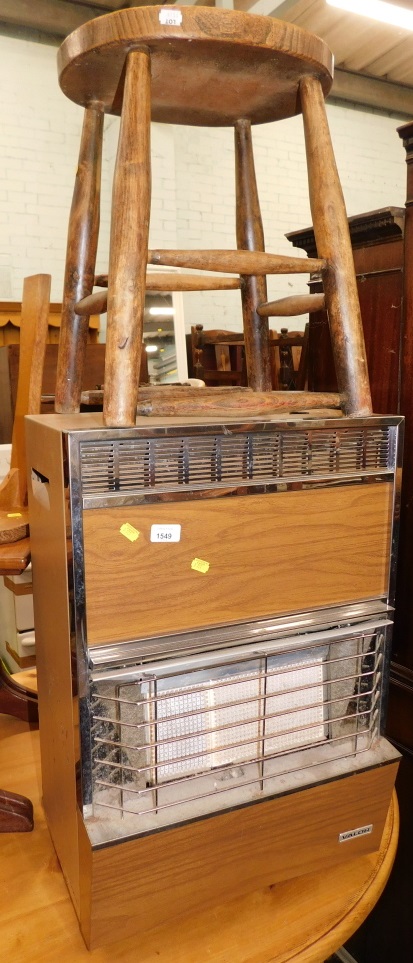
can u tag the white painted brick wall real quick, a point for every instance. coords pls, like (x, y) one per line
(370, 159)
(192, 180)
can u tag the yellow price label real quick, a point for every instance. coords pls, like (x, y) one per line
(129, 532)
(200, 565)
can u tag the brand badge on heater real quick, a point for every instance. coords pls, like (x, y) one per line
(353, 833)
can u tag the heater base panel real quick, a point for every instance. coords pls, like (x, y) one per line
(147, 882)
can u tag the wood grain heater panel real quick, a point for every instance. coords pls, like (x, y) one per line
(265, 555)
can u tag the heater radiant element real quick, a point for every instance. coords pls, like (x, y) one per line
(222, 728)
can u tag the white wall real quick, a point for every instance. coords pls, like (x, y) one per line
(192, 178)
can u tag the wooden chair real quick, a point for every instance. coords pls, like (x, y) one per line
(289, 359)
(200, 66)
(218, 357)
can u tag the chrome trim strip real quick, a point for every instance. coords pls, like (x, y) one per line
(397, 434)
(221, 636)
(245, 486)
(169, 427)
(78, 616)
(244, 651)
(397, 437)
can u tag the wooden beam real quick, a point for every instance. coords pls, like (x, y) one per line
(108, 6)
(275, 8)
(372, 92)
(55, 18)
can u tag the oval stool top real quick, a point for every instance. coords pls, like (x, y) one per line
(211, 69)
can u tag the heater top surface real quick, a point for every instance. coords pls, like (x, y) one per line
(209, 67)
(92, 423)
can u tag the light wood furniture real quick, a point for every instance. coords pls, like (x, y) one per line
(14, 557)
(300, 921)
(92, 380)
(122, 63)
(13, 488)
(93, 376)
(10, 322)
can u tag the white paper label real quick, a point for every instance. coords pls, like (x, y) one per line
(171, 18)
(165, 533)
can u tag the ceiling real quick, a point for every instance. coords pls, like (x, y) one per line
(374, 62)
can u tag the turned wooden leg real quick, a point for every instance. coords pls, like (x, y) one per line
(250, 237)
(128, 247)
(333, 243)
(80, 263)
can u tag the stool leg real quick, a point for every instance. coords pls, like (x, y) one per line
(250, 237)
(80, 263)
(128, 247)
(333, 243)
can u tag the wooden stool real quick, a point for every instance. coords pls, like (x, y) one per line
(208, 67)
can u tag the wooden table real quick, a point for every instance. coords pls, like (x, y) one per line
(14, 557)
(301, 921)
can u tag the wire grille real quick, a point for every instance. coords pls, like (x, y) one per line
(184, 739)
(151, 464)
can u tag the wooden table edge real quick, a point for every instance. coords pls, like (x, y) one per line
(362, 903)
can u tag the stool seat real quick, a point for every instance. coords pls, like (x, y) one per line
(202, 68)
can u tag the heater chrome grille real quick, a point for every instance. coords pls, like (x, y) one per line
(177, 739)
(151, 464)
(195, 461)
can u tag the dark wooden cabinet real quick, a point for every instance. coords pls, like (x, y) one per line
(378, 242)
(382, 244)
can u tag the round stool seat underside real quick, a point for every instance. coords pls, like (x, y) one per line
(214, 68)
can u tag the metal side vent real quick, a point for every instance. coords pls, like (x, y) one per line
(168, 464)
